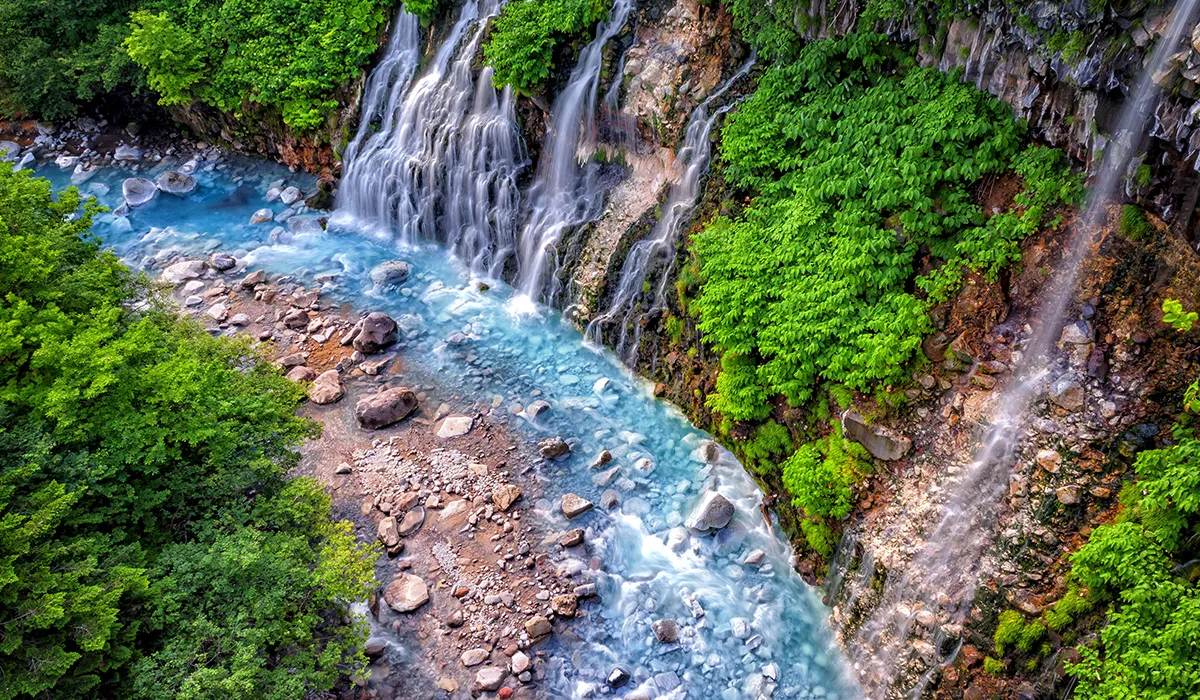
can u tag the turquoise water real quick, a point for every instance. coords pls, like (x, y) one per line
(740, 624)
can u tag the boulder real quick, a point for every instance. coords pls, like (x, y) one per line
(127, 153)
(138, 190)
(489, 678)
(222, 262)
(521, 663)
(617, 678)
(536, 409)
(389, 273)
(290, 195)
(572, 538)
(376, 332)
(1067, 495)
(453, 426)
(412, 521)
(713, 513)
(565, 605)
(9, 150)
(327, 388)
(1078, 333)
(538, 627)
(387, 533)
(505, 496)
(253, 279)
(385, 408)
(667, 631)
(554, 447)
(1067, 393)
(406, 593)
(182, 271)
(262, 216)
(878, 441)
(474, 657)
(176, 183)
(602, 458)
(218, 312)
(300, 373)
(573, 506)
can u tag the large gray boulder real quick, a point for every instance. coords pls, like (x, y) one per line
(388, 273)
(138, 191)
(713, 513)
(375, 332)
(385, 408)
(879, 442)
(174, 182)
(181, 272)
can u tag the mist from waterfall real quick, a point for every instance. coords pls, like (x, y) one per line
(945, 571)
(565, 192)
(438, 159)
(631, 301)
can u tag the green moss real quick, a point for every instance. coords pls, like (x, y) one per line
(1134, 224)
(994, 666)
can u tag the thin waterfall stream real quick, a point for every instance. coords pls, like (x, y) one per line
(565, 193)
(659, 247)
(944, 573)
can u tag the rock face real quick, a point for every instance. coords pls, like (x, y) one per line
(406, 593)
(138, 191)
(713, 513)
(879, 442)
(327, 388)
(389, 273)
(385, 408)
(175, 183)
(375, 332)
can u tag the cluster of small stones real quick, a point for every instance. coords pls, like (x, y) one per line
(495, 591)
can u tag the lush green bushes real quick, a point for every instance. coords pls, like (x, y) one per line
(528, 32)
(820, 476)
(149, 543)
(1149, 648)
(289, 56)
(861, 164)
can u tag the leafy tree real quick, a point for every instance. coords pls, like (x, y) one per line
(527, 34)
(150, 544)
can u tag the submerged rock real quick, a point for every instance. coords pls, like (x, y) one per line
(388, 273)
(262, 216)
(176, 183)
(666, 631)
(574, 506)
(553, 448)
(385, 408)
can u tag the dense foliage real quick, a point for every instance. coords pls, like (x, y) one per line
(1150, 647)
(527, 34)
(289, 56)
(150, 545)
(862, 166)
(820, 476)
(55, 55)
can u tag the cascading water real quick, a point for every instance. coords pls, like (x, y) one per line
(944, 573)
(565, 193)
(438, 159)
(659, 248)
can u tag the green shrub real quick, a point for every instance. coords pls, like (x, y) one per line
(821, 475)
(674, 327)
(994, 667)
(528, 32)
(768, 26)
(1134, 224)
(769, 446)
(860, 161)
(819, 536)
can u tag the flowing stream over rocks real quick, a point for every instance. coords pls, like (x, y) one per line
(687, 605)
(916, 625)
(658, 249)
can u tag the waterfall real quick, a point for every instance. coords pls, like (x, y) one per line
(659, 247)
(565, 193)
(438, 159)
(944, 573)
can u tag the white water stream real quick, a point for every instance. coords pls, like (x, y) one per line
(945, 572)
